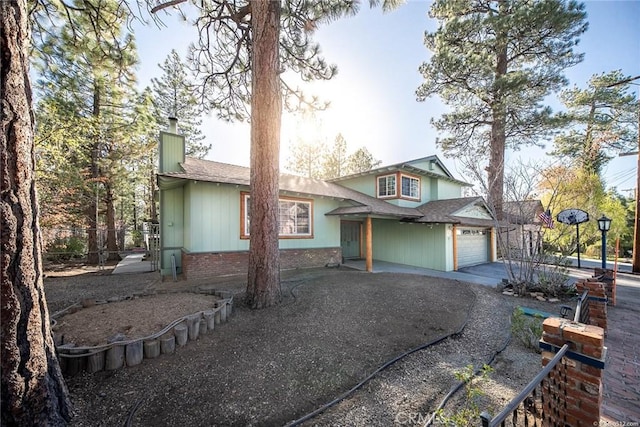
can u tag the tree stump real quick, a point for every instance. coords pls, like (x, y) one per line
(209, 317)
(203, 326)
(194, 327)
(151, 349)
(168, 344)
(95, 362)
(181, 334)
(114, 359)
(133, 353)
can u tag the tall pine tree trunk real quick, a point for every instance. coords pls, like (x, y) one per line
(32, 388)
(495, 171)
(263, 283)
(112, 239)
(91, 211)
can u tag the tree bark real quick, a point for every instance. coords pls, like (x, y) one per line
(32, 388)
(112, 240)
(495, 171)
(94, 246)
(263, 283)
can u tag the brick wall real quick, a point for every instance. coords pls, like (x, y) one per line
(205, 265)
(573, 396)
(608, 277)
(597, 301)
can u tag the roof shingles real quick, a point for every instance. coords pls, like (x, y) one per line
(437, 211)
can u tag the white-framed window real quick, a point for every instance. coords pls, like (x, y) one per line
(387, 186)
(410, 187)
(294, 217)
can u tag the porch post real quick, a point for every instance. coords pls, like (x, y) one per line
(455, 247)
(369, 249)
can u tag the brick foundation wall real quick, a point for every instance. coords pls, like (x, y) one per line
(205, 265)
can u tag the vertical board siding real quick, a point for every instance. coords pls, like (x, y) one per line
(448, 190)
(214, 217)
(171, 235)
(363, 184)
(171, 152)
(410, 244)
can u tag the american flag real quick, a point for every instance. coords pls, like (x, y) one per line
(546, 218)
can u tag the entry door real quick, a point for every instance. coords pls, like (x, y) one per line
(350, 239)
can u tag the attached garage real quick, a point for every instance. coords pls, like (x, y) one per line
(473, 246)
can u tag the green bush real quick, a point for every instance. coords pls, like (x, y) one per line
(65, 248)
(526, 329)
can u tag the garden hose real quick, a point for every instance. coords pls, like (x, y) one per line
(383, 367)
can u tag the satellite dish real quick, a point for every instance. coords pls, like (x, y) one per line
(573, 216)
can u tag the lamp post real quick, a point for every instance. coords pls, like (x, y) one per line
(604, 224)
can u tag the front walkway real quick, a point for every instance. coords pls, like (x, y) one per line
(621, 396)
(133, 263)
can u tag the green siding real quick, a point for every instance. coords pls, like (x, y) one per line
(172, 227)
(448, 190)
(171, 152)
(364, 184)
(412, 244)
(213, 216)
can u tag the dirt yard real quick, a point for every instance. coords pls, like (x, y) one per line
(333, 328)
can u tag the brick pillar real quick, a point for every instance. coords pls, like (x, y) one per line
(574, 396)
(608, 277)
(597, 301)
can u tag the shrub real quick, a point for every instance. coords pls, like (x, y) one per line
(63, 249)
(526, 329)
(469, 413)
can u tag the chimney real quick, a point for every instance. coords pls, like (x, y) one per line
(173, 125)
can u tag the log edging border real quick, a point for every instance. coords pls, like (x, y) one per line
(115, 355)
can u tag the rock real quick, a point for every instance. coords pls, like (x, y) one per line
(554, 299)
(88, 303)
(539, 298)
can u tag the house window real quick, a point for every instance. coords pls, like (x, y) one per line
(387, 186)
(410, 187)
(294, 217)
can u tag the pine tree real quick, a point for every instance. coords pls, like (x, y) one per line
(174, 97)
(335, 161)
(604, 122)
(31, 383)
(87, 84)
(493, 64)
(361, 161)
(244, 50)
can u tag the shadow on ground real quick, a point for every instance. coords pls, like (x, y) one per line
(269, 367)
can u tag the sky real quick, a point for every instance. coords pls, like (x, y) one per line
(372, 98)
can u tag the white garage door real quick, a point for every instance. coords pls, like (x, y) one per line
(473, 246)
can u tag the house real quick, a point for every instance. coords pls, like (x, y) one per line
(409, 213)
(522, 234)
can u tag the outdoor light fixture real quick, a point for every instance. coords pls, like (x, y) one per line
(604, 224)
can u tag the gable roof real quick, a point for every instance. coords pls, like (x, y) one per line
(522, 211)
(446, 210)
(409, 166)
(223, 173)
(438, 211)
